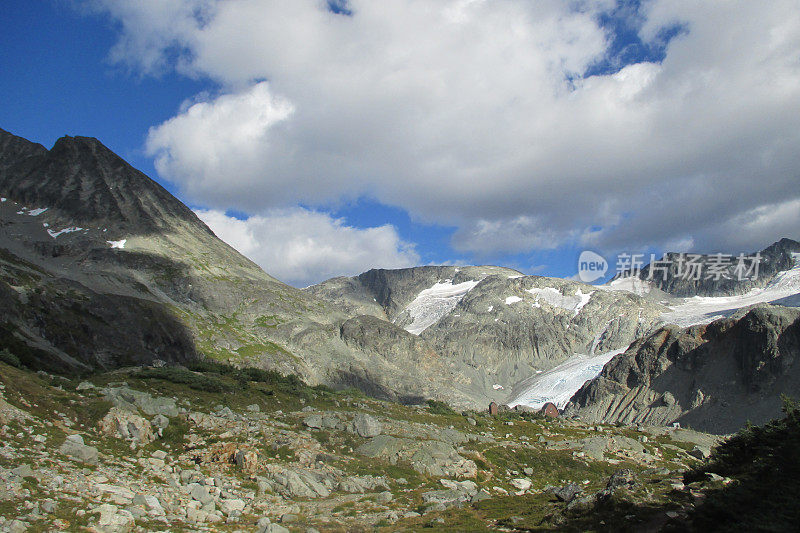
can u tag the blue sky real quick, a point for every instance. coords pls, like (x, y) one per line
(422, 132)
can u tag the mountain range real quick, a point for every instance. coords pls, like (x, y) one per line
(101, 267)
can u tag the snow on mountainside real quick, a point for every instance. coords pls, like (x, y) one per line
(783, 290)
(554, 298)
(558, 384)
(433, 303)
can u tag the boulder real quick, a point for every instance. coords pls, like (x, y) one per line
(247, 461)
(128, 426)
(567, 493)
(366, 426)
(112, 519)
(74, 448)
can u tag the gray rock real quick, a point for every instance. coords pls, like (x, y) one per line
(49, 506)
(621, 479)
(582, 504)
(232, 505)
(200, 493)
(313, 421)
(384, 497)
(74, 448)
(160, 421)
(23, 471)
(568, 492)
(447, 497)
(430, 457)
(737, 361)
(481, 496)
(366, 426)
(700, 452)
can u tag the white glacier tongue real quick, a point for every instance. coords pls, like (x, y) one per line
(559, 384)
(435, 302)
(704, 309)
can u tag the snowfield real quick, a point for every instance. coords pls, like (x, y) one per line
(435, 302)
(558, 384)
(120, 245)
(783, 290)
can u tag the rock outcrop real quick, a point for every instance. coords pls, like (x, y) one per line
(713, 377)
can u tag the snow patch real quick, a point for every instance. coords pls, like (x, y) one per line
(435, 302)
(559, 384)
(632, 284)
(513, 299)
(3, 199)
(120, 245)
(554, 298)
(491, 308)
(37, 212)
(497, 386)
(55, 234)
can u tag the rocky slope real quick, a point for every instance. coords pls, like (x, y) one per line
(713, 377)
(167, 449)
(495, 327)
(102, 267)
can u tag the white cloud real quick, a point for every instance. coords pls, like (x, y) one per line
(474, 114)
(301, 247)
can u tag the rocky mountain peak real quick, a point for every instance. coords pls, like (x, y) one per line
(90, 184)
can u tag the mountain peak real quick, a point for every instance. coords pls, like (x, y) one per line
(88, 182)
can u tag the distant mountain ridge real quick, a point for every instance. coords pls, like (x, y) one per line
(686, 275)
(101, 267)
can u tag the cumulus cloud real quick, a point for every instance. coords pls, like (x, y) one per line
(480, 114)
(301, 247)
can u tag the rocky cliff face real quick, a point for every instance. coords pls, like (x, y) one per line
(713, 377)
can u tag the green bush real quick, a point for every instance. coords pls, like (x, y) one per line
(176, 374)
(439, 408)
(9, 358)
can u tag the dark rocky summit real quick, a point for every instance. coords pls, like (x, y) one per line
(676, 279)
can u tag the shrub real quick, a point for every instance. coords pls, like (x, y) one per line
(439, 408)
(9, 358)
(176, 374)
